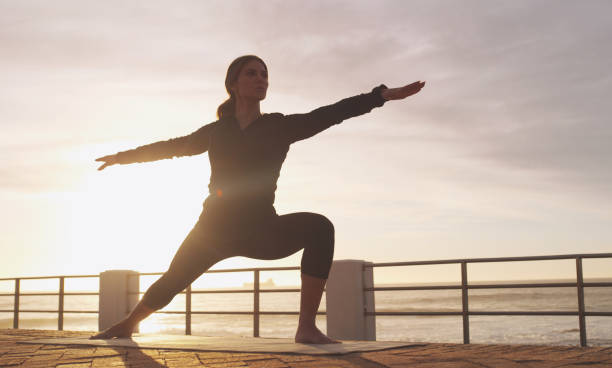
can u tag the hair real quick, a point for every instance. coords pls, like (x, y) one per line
(228, 107)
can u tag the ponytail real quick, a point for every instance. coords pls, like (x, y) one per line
(227, 108)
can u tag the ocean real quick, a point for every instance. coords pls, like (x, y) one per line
(549, 330)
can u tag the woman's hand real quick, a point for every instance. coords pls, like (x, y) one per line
(108, 161)
(402, 92)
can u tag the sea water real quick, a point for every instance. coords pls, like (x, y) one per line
(550, 330)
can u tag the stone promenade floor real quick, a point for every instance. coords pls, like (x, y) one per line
(14, 354)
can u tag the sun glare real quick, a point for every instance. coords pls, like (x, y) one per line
(136, 216)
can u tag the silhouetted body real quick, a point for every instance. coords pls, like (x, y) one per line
(238, 218)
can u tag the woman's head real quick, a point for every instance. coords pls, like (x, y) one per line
(246, 78)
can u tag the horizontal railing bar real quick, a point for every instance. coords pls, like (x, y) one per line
(519, 313)
(518, 286)
(458, 313)
(54, 294)
(51, 311)
(228, 291)
(7, 294)
(400, 288)
(489, 286)
(597, 284)
(279, 290)
(47, 277)
(219, 291)
(490, 313)
(204, 292)
(279, 313)
(485, 260)
(54, 311)
(220, 312)
(293, 268)
(242, 291)
(76, 311)
(213, 312)
(271, 313)
(236, 312)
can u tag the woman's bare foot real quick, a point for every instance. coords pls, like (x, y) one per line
(121, 329)
(312, 335)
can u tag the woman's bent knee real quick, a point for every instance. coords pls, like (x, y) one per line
(324, 231)
(319, 253)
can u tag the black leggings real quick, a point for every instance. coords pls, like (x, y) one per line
(277, 237)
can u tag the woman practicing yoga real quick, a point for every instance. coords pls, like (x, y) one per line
(246, 150)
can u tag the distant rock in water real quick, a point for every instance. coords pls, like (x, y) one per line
(266, 284)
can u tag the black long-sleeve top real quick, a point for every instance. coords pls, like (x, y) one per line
(245, 164)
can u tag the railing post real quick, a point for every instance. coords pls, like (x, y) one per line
(256, 303)
(347, 301)
(118, 295)
(464, 302)
(60, 309)
(188, 310)
(580, 286)
(16, 306)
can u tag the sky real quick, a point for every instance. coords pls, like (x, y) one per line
(505, 152)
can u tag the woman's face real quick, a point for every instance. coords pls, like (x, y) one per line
(252, 81)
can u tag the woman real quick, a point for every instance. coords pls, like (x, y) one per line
(246, 150)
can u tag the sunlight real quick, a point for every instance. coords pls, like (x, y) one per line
(153, 324)
(137, 214)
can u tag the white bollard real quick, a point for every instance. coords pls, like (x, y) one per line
(118, 295)
(347, 302)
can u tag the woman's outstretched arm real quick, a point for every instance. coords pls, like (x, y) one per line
(301, 126)
(192, 144)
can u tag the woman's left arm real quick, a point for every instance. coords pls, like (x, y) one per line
(301, 126)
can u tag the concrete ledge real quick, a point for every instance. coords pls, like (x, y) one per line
(227, 344)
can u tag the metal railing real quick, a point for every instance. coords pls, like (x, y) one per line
(465, 286)
(581, 313)
(60, 294)
(257, 312)
(188, 293)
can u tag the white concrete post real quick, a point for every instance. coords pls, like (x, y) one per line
(347, 302)
(116, 302)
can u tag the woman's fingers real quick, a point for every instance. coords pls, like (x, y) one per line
(108, 160)
(105, 158)
(416, 86)
(411, 89)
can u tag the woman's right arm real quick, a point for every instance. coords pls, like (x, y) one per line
(192, 144)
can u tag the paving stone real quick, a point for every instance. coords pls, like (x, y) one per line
(47, 357)
(11, 362)
(73, 365)
(16, 354)
(227, 360)
(296, 358)
(319, 364)
(226, 365)
(108, 362)
(267, 363)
